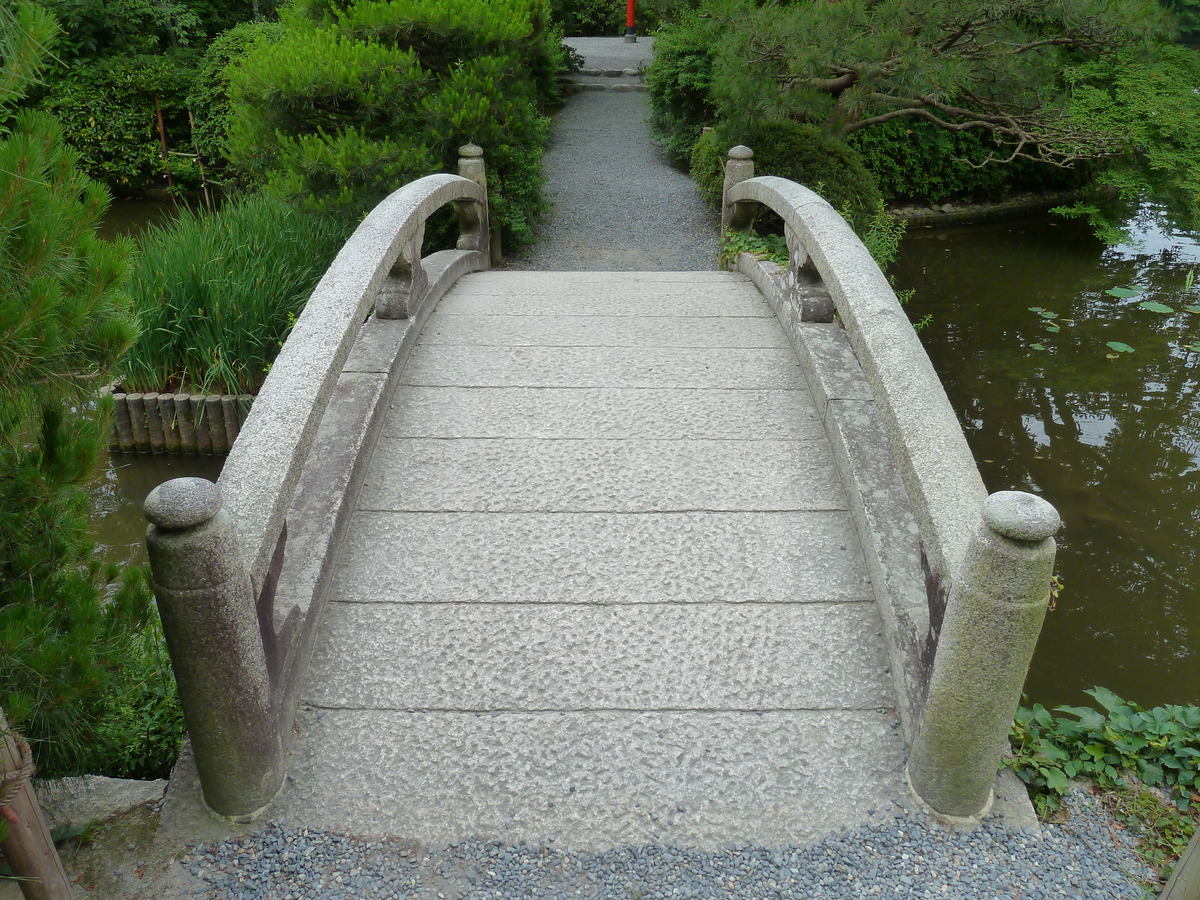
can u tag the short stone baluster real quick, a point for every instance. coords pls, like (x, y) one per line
(473, 223)
(211, 625)
(738, 168)
(993, 618)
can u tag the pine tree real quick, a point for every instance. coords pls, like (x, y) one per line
(65, 622)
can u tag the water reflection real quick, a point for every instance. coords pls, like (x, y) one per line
(119, 490)
(1111, 438)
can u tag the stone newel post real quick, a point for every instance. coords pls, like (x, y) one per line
(993, 619)
(211, 624)
(738, 168)
(471, 165)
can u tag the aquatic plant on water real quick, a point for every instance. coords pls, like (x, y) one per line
(217, 294)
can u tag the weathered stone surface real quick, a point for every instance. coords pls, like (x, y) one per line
(266, 461)
(891, 545)
(1021, 516)
(604, 367)
(935, 461)
(830, 366)
(602, 331)
(595, 780)
(89, 798)
(419, 474)
(552, 413)
(575, 657)
(601, 558)
(993, 619)
(182, 503)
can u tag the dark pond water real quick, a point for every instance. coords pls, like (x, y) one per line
(1110, 438)
(119, 490)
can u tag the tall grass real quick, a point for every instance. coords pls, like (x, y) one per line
(217, 294)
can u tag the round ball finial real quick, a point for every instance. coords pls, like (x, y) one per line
(182, 503)
(741, 151)
(1021, 516)
(470, 151)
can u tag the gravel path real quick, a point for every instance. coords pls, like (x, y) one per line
(1086, 857)
(617, 204)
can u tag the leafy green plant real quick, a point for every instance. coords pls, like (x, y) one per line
(141, 722)
(349, 104)
(1162, 831)
(769, 247)
(1160, 746)
(215, 295)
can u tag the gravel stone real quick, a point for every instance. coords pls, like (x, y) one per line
(913, 857)
(618, 205)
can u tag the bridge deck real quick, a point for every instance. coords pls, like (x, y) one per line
(601, 586)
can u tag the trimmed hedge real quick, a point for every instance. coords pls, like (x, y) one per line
(803, 153)
(350, 103)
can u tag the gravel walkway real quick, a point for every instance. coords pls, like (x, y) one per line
(912, 858)
(617, 204)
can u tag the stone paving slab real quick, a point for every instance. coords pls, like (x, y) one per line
(593, 780)
(631, 367)
(581, 294)
(602, 558)
(602, 331)
(509, 656)
(646, 413)
(422, 474)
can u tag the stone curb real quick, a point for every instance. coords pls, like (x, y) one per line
(90, 798)
(948, 214)
(575, 87)
(176, 423)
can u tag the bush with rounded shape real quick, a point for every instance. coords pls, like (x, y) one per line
(802, 153)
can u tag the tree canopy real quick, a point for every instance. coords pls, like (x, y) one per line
(1097, 85)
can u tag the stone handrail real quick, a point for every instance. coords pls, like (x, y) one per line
(935, 462)
(380, 266)
(239, 591)
(960, 658)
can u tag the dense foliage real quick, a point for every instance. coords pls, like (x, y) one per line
(216, 295)
(945, 98)
(352, 101)
(66, 621)
(1161, 747)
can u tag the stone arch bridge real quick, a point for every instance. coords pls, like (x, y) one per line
(601, 558)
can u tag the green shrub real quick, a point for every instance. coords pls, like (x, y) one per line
(679, 83)
(1160, 746)
(140, 720)
(209, 97)
(107, 111)
(216, 295)
(803, 153)
(351, 103)
(607, 17)
(915, 160)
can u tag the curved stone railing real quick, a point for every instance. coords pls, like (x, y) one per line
(963, 599)
(380, 267)
(239, 567)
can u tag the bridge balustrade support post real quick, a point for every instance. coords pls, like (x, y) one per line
(993, 618)
(471, 165)
(210, 619)
(738, 168)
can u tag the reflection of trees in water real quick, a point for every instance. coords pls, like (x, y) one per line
(1115, 444)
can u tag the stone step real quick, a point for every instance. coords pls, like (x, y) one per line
(690, 557)
(511, 475)
(611, 413)
(572, 657)
(596, 330)
(601, 367)
(594, 780)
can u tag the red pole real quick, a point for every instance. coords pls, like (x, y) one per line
(630, 34)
